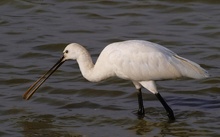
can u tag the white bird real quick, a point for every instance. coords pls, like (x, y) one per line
(140, 61)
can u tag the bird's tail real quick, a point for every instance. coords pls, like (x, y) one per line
(190, 69)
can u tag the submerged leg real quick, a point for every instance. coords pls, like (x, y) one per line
(170, 113)
(141, 111)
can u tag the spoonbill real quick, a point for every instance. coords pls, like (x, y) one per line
(140, 61)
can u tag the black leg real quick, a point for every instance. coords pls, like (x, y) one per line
(141, 111)
(165, 105)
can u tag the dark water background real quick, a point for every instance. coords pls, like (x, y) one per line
(34, 33)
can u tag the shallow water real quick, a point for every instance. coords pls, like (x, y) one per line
(33, 35)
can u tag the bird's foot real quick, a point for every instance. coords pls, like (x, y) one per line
(171, 117)
(141, 113)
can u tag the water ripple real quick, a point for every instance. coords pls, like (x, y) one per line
(34, 34)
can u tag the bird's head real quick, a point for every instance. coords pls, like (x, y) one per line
(72, 51)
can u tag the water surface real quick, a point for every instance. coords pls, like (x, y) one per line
(34, 33)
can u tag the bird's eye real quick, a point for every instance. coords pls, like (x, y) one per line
(66, 51)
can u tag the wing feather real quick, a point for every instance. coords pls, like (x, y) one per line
(143, 61)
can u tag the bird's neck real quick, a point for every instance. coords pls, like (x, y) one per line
(90, 71)
(86, 64)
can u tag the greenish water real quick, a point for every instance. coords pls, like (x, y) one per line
(34, 33)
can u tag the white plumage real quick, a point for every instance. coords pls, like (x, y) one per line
(136, 60)
(140, 61)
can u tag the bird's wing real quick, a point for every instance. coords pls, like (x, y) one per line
(154, 66)
(189, 68)
(141, 65)
(144, 61)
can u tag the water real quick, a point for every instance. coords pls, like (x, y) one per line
(34, 33)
